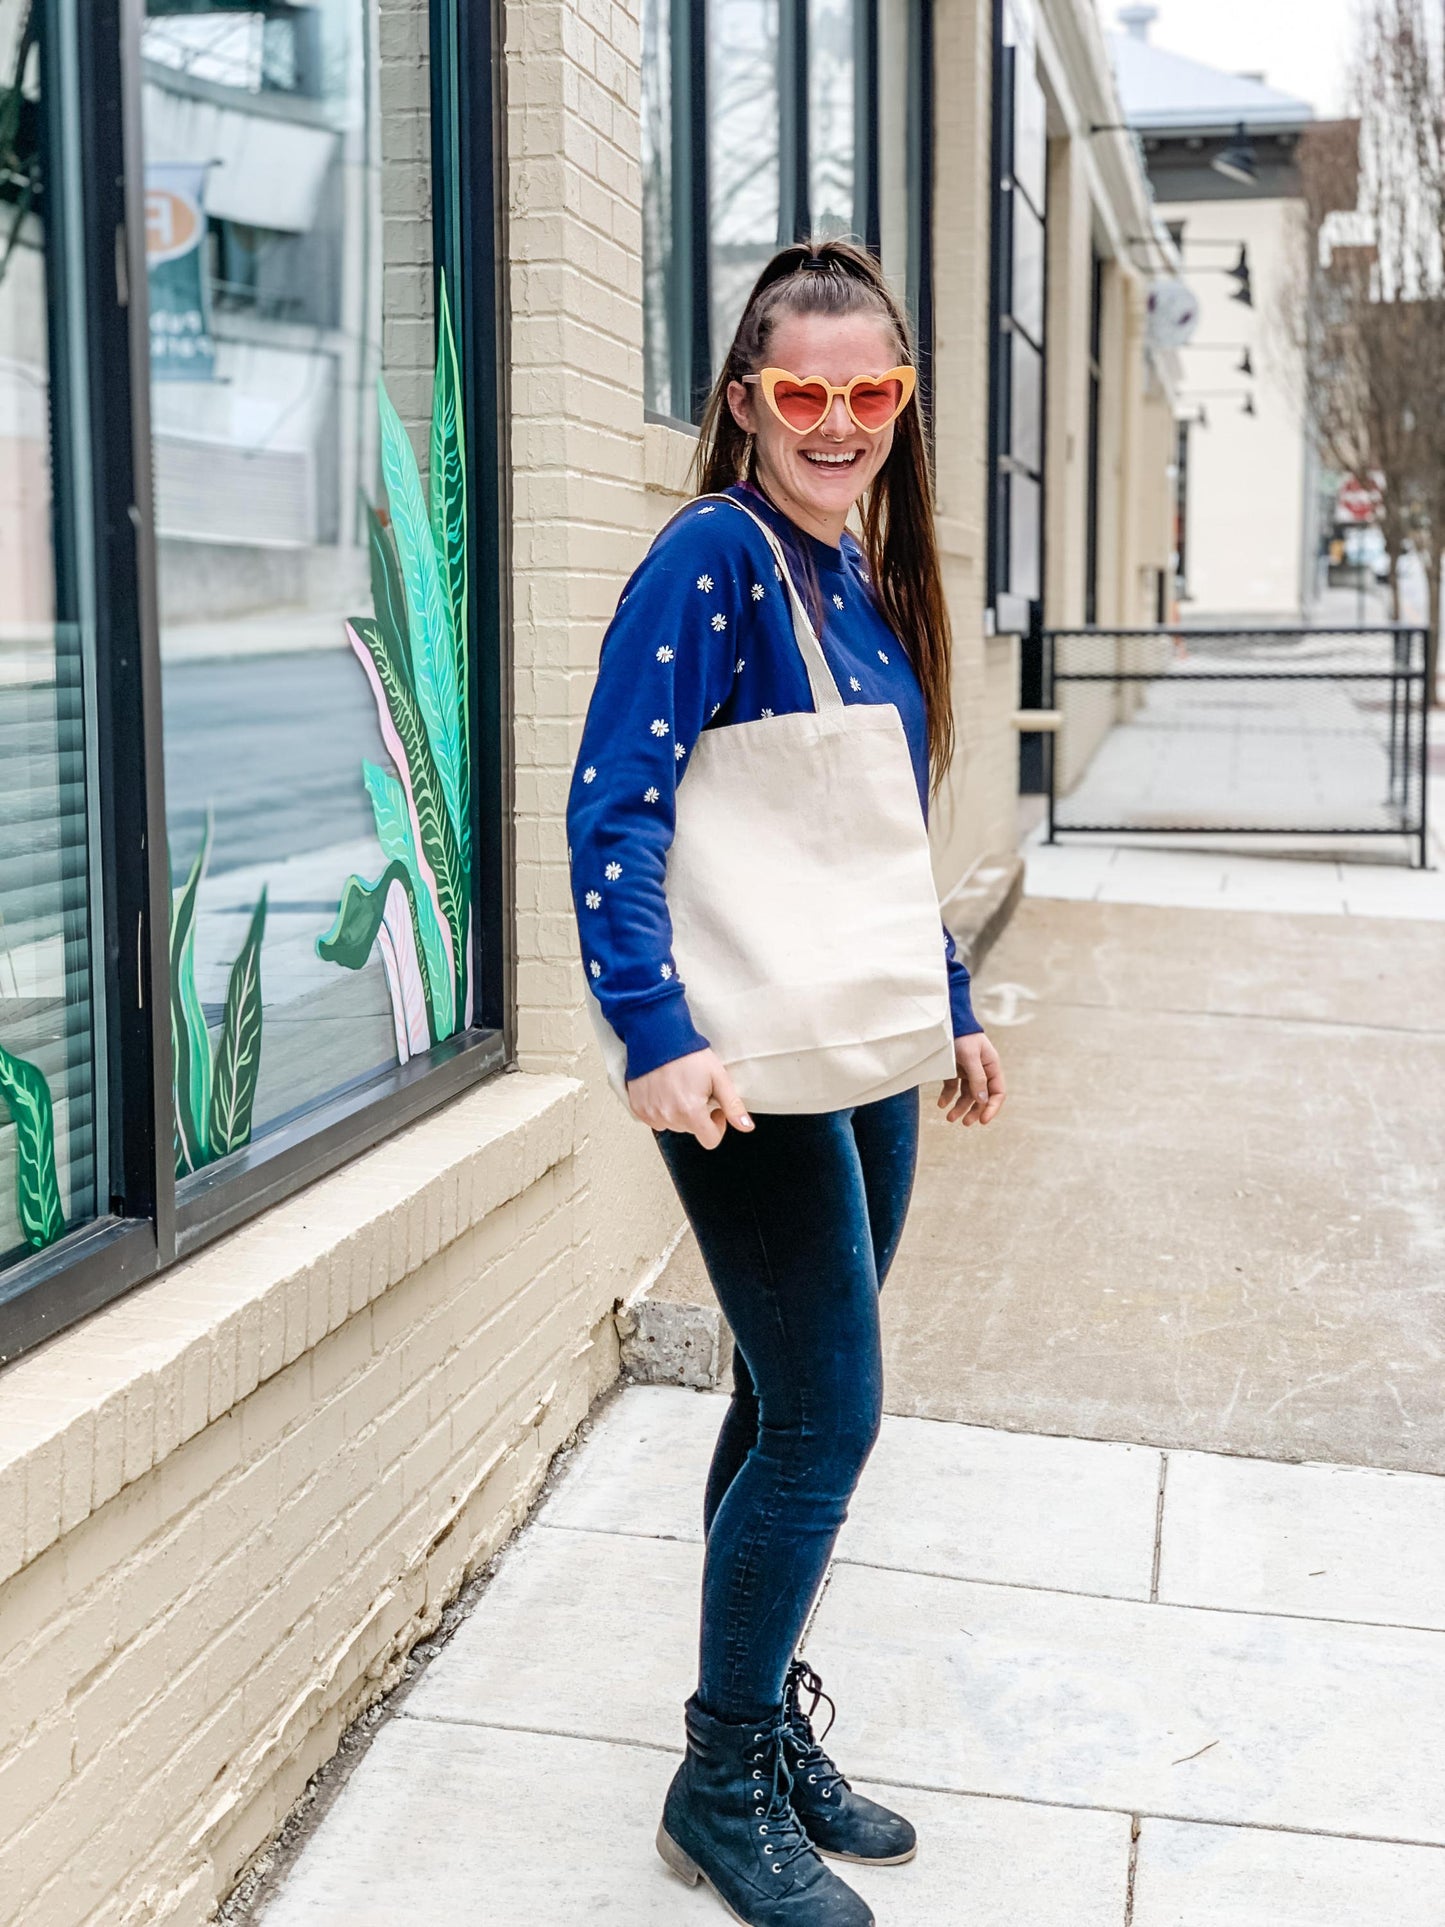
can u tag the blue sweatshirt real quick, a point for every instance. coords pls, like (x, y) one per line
(703, 637)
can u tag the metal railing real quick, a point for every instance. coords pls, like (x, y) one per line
(1238, 732)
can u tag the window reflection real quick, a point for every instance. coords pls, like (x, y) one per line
(657, 214)
(289, 253)
(832, 88)
(744, 118)
(52, 1156)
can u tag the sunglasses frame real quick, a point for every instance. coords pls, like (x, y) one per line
(768, 379)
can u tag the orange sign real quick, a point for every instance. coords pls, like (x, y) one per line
(173, 223)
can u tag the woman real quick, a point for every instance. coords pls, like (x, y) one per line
(797, 1217)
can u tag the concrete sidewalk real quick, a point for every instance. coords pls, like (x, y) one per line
(1141, 1608)
(1114, 1687)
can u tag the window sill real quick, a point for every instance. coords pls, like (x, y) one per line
(668, 453)
(98, 1406)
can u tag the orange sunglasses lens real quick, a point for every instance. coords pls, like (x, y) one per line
(875, 403)
(801, 404)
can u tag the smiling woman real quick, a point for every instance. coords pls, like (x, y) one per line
(771, 984)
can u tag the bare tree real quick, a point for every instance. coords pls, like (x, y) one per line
(1368, 313)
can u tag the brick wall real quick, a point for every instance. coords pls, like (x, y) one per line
(279, 1463)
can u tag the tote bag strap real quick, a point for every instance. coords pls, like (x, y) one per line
(826, 693)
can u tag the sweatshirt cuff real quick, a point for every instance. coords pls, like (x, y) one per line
(965, 1024)
(656, 1033)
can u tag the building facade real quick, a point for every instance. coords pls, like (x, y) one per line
(349, 353)
(1220, 150)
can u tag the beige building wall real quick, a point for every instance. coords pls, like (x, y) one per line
(973, 816)
(1098, 203)
(1247, 474)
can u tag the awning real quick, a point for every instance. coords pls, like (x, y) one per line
(268, 170)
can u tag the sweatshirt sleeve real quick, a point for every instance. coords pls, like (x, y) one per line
(965, 1024)
(667, 666)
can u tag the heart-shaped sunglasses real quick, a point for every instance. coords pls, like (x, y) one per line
(802, 402)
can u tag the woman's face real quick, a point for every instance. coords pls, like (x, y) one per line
(817, 477)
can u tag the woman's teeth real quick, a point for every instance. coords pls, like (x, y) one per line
(820, 460)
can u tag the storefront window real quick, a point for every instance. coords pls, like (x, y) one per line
(744, 155)
(52, 1098)
(832, 117)
(317, 799)
(657, 210)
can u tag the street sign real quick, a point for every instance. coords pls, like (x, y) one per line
(1356, 502)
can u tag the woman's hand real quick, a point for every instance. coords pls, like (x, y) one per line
(976, 1095)
(692, 1093)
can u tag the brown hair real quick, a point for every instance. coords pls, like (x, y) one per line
(837, 278)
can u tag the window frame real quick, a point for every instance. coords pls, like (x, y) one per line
(689, 291)
(152, 1219)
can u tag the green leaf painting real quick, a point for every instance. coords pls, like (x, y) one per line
(238, 1050)
(190, 1041)
(26, 1095)
(214, 1093)
(413, 650)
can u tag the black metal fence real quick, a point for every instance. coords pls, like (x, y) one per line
(1238, 732)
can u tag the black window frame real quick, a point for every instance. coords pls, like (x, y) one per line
(151, 1220)
(689, 290)
(1013, 610)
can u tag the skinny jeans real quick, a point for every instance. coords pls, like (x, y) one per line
(798, 1222)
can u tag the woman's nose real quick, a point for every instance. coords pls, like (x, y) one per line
(838, 422)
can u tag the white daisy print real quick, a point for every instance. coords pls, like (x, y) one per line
(706, 511)
(704, 582)
(612, 872)
(882, 655)
(595, 968)
(758, 592)
(741, 665)
(651, 793)
(678, 752)
(837, 602)
(767, 712)
(659, 727)
(719, 622)
(589, 775)
(593, 899)
(666, 972)
(664, 654)
(853, 683)
(714, 710)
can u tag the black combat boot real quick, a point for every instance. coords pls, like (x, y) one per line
(838, 1821)
(727, 1820)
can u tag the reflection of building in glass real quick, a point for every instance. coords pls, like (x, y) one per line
(269, 456)
(745, 110)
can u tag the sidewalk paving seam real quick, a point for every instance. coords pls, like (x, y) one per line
(1050, 1592)
(946, 1792)
(1243, 1017)
(1158, 1534)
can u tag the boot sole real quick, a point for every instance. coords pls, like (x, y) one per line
(864, 1860)
(687, 1869)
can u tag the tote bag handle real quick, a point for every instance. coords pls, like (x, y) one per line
(826, 693)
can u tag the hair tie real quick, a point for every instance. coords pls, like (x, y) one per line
(816, 264)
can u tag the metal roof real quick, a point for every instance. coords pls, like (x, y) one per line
(1166, 93)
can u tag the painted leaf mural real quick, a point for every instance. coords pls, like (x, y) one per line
(238, 1049)
(414, 653)
(214, 1092)
(26, 1095)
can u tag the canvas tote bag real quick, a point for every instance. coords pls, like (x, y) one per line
(806, 924)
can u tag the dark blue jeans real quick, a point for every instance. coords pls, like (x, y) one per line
(798, 1222)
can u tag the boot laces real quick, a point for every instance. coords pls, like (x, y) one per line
(813, 1762)
(778, 1831)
